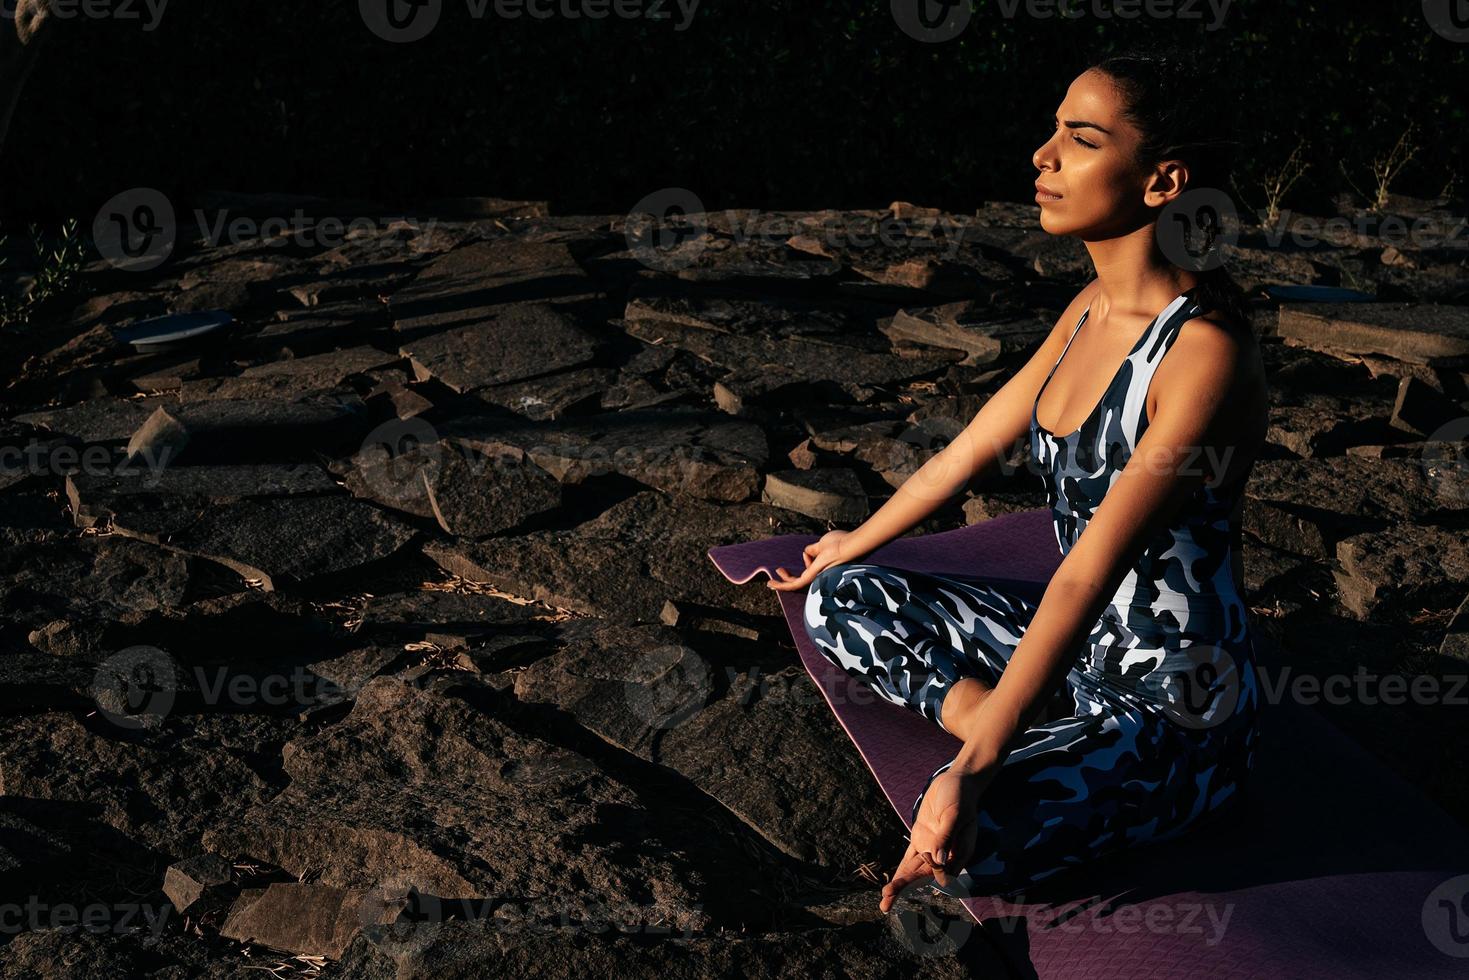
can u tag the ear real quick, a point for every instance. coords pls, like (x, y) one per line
(1167, 181)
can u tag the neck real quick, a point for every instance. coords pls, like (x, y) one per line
(1135, 279)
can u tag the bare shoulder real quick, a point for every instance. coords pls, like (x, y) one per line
(1214, 366)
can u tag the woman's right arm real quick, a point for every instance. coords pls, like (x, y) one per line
(985, 443)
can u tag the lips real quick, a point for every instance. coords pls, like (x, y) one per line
(1044, 195)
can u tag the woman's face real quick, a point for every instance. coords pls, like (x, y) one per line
(1089, 166)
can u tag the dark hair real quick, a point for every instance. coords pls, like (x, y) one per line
(1166, 97)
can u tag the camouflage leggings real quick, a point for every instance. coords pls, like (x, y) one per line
(1140, 759)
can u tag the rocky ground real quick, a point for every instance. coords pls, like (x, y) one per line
(376, 636)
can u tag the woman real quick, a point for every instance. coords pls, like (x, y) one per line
(1120, 709)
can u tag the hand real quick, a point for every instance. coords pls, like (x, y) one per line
(945, 829)
(829, 550)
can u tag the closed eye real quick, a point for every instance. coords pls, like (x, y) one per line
(1090, 146)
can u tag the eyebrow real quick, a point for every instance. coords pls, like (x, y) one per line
(1083, 124)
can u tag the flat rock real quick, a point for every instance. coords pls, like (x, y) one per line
(249, 430)
(510, 945)
(467, 493)
(732, 733)
(1409, 566)
(473, 496)
(1310, 432)
(416, 788)
(279, 540)
(159, 788)
(748, 315)
(509, 343)
(99, 578)
(1305, 506)
(1422, 410)
(679, 450)
(625, 563)
(550, 397)
(347, 672)
(825, 494)
(982, 333)
(290, 379)
(759, 365)
(192, 883)
(1417, 333)
(472, 283)
(303, 917)
(98, 420)
(435, 612)
(94, 497)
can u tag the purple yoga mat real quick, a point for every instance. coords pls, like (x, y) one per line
(1331, 866)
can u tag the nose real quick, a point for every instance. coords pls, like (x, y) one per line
(1045, 157)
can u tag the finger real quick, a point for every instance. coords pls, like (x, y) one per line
(790, 583)
(912, 870)
(961, 846)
